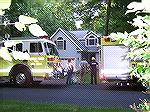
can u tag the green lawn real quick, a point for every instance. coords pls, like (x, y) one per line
(18, 106)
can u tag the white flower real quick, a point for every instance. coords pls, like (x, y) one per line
(135, 6)
(146, 5)
(5, 4)
(17, 55)
(121, 35)
(137, 32)
(139, 22)
(27, 20)
(5, 54)
(20, 26)
(36, 30)
(10, 43)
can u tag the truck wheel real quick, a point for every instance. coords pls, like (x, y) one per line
(22, 77)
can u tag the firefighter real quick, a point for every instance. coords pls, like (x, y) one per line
(94, 69)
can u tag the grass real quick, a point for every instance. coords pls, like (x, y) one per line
(20, 106)
(86, 77)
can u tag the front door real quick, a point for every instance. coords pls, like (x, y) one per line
(88, 55)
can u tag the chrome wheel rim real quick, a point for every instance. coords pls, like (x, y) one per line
(20, 78)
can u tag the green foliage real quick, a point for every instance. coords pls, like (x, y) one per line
(144, 106)
(50, 14)
(139, 43)
(93, 15)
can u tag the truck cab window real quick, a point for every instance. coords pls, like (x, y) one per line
(19, 47)
(50, 49)
(35, 47)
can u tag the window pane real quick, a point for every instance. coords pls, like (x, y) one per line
(36, 47)
(60, 45)
(19, 47)
(91, 42)
(51, 49)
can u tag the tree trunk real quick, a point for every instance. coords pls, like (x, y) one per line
(107, 17)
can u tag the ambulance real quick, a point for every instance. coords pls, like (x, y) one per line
(114, 65)
(30, 59)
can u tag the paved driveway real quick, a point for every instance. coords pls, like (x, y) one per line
(102, 95)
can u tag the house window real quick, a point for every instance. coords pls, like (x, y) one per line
(61, 43)
(92, 41)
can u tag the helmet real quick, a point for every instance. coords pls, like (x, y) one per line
(93, 58)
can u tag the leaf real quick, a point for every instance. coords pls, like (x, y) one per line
(147, 56)
(1, 12)
(147, 71)
(136, 6)
(17, 55)
(5, 4)
(130, 11)
(146, 5)
(36, 30)
(27, 20)
(20, 26)
(137, 32)
(5, 54)
(140, 69)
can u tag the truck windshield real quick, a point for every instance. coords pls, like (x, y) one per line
(50, 49)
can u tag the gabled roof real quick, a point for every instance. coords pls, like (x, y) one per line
(91, 32)
(75, 36)
(76, 40)
(80, 34)
(72, 38)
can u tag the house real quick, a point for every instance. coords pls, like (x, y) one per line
(76, 45)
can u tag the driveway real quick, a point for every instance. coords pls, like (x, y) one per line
(102, 95)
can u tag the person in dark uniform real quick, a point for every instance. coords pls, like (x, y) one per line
(94, 67)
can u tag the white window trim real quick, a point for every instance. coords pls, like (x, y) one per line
(60, 41)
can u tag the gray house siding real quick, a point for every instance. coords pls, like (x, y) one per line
(70, 52)
(76, 46)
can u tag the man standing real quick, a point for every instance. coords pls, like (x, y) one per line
(83, 69)
(69, 71)
(94, 67)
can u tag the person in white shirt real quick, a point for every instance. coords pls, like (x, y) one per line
(69, 71)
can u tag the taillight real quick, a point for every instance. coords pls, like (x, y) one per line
(50, 59)
(102, 77)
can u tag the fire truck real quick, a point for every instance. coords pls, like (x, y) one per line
(28, 59)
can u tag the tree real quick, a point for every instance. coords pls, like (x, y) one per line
(108, 9)
(22, 24)
(50, 14)
(138, 41)
(104, 17)
(92, 14)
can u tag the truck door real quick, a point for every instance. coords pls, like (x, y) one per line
(37, 56)
(115, 66)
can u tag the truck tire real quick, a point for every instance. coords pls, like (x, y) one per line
(21, 76)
